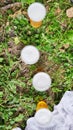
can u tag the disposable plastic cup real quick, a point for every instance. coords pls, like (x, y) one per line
(43, 117)
(30, 55)
(17, 128)
(36, 12)
(41, 81)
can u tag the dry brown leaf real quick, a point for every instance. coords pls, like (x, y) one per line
(69, 12)
(7, 24)
(63, 24)
(58, 11)
(47, 8)
(62, 50)
(66, 46)
(24, 12)
(9, 49)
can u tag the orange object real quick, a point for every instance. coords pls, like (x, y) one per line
(41, 105)
(35, 24)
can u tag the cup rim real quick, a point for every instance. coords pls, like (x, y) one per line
(37, 120)
(40, 77)
(26, 58)
(33, 14)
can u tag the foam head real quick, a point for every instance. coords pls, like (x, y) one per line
(36, 11)
(43, 117)
(41, 81)
(17, 128)
(30, 54)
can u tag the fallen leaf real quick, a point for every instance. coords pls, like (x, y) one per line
(7, 24)
(66, 46)
(58, 11)
(62, 50)
(64, 24)
(47, 8)
(69, 12)
(24, 13)
(9, 49)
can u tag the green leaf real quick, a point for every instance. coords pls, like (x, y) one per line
(70, 35)
(19, 118)
(16, 40)
(1, 94)
(27, 1)
(1, 59)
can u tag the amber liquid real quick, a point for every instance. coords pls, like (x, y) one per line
(36, 24)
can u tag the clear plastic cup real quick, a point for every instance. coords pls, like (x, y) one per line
(30, 54)
(36, 12)
(43, 117)
(41, 81)
(17, 128)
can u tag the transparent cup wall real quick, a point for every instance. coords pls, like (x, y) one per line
(36, 13)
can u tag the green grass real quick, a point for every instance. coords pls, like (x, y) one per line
(54, 39)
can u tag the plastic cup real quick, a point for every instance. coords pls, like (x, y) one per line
(36, 12)
(30, 54)
(43, 117)
(17, 128)
(41, 81)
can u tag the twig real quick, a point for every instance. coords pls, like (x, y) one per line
(9, 6)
